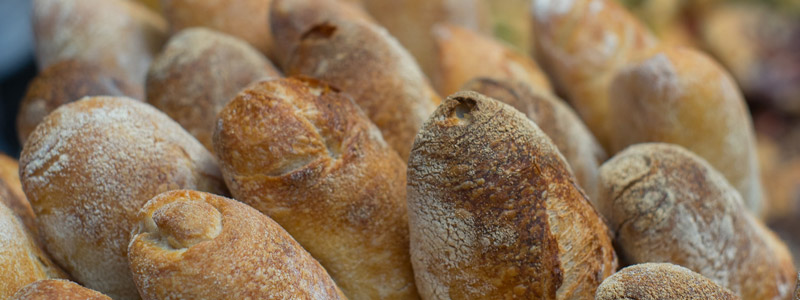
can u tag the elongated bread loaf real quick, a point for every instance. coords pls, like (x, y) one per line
(195, 245)
(305, 155)
(50, 289)
(494, 212)
(88, 169)
(666, 204)
(654, 281)
(12, 196)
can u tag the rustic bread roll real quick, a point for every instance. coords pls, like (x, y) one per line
(667, 204)
(49, 289)
(12, 196)
(90, 166)
(198, 72)
(681, 96)
(364, 61)
(654, 281)
(118, 35)
(305, 155)
(67, 81)
(556, 119)
(195, 245)
(464, 54)
(494, 212)
(582, 44)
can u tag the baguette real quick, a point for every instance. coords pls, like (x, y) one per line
(653, 281)
(90, 166)
(49, 289)
(494, 212)
(667, 204)
(195, 245)
(12, 196)
(306, 156)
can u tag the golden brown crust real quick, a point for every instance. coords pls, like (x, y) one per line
(653, 281)
(12, 196)
(364, 61)
(683, 97)
(495, 213)
(68, 81)
(198, 72)
(305, 155)
(193, 245)
(57, 289)
(90, 166)
(557, 120)
(667, 204)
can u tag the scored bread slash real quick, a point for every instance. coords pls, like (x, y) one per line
(654, 281)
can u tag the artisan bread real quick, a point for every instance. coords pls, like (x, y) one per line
(49, 289)
(89, 167)
(494, 212)
(654, 281)
(12, 196)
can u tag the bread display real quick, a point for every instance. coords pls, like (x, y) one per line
(653, 281)
(494, 212)
(556, 119)
(89, 167)
(57, 289)
(11, 193)
(666, 204)
(364, 61)
(198, 72)
(305, 155)
(195, 245)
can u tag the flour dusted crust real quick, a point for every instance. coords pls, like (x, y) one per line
(90, 166)
(195, 245)
(11, 193)
(49, 289)
(579, 147)
(364, 61)
(198, 72)
(666, 204)
(494, 211)
(305, 155)
(654, 281)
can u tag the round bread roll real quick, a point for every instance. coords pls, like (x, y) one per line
(305, 155)
(195, 245)
(494, 212)
(57, 289)
(654, 281)
(67, 81)
(90, 166)
(667, 204)
(12, 196)
(557, 120)
(364, 61)
(681, 96)
(198, 72)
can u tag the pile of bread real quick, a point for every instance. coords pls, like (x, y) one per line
(397, 151)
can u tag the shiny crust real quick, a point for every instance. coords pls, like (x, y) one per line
(653, 281)
(193, 245)
(90, 166)
(57, 289)
(667, 204)
(494, 212)
(306, 156)
(12, 196)
(364, 61)
(198, 72)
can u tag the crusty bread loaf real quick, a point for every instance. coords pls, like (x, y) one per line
(118, 35)
(364, 61)
(557, 120)
(494, 212)
(305, 155)
(681, 96)
(89, 167)
(655, 281)
(50, 289)
(12, 196)
(667, 204)
(198, 72)
(195, 245)
(67, 81)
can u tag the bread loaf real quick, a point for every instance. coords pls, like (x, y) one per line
(681, 96)
(666, 204)
(555, 119)
(12, 196)
(494, 212)
(653, 281)
(195, 245)
(90, 166)
(198, 72)
(364, 61)
(57, 289)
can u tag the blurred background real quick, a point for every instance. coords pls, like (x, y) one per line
(17, 67)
